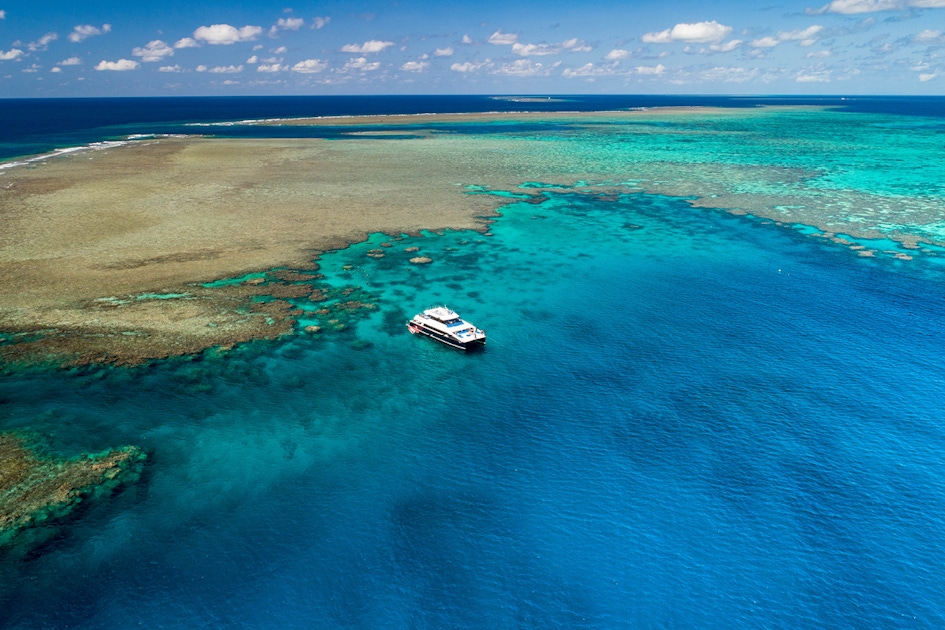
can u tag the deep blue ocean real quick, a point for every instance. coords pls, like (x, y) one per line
(684, 418)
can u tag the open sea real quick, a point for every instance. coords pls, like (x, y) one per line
(684, 418)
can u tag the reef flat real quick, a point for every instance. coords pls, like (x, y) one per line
(36, 490)
(95, 242)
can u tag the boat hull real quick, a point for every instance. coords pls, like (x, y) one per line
(419, 329)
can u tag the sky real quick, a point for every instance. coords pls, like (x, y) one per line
(70, 48)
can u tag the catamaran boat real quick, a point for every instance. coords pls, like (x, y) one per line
(447, 327)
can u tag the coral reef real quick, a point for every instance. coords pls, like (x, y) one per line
(38, 489)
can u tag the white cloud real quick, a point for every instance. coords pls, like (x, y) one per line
(852, 7)
(467, 39)
(361, 63)
(174, 68)
(310, 66)
(10, 55)
(226, 69)
(526, 68)
(71, 61)
(372, 46)
(471, 66)
(32, 69)
(253, 59)
(728, 46)
(84, 31)
(186, 42)
(697, 33)
(590, 71)
(155, 50)
(817, 76)
(43, 42)
(3, 14)
(820, 54)
(807, 33)
(279, 51)
(443, 52)
(201, 68)
(224, 34)
(617, 54)
(415, 66)
(927, 77)
(656, 70)
(320, 22)
(765, 42)
(503, 39)
(269, 67)
(576, 45)
(290, 24)
(928, 35)
(535, 50)
(726, 74)
(55, 69)
(118, 66)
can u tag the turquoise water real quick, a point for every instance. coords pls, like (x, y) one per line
(683, 418)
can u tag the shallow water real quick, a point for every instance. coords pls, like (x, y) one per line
(683, 418)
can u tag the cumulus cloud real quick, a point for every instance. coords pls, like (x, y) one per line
(415, 66)
(55, 69)
(576, 45)
(10, 55)
(727, 74)
(617, 54)
(816, 76)
(226, 69)
(174, 68)
(186, 42)
(43, 42)
(362, 64)
(443, 52)
(853, 7)
(290, 24)
(310, 66)
(320, 22)
(372, 46)
(590, 71)
(503, 39)
(927, 77)
(471, 66)
(224, 34)
(118, 66)
(286, 24)
(270, 67)
(656, 70)
(155, 50)
(526, 68)
(71, 61)
(696, 33)
(280, 50)
(536, 50)
(728, 46)
(3, 14)
(765, 42)
(467, 39)
(84, 31)
(927, 36)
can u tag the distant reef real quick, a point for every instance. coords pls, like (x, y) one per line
(37, 490)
